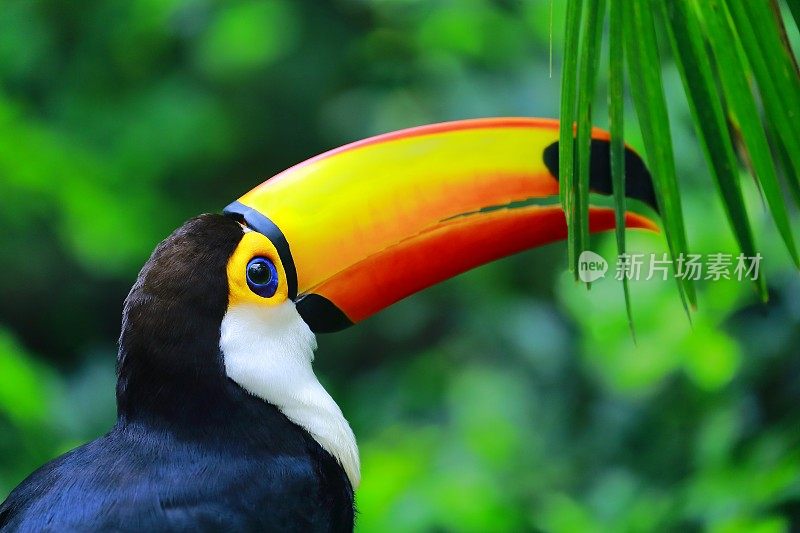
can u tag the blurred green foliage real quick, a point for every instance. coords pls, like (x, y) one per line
(506, 399)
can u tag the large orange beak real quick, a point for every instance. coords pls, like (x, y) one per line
(362, 226)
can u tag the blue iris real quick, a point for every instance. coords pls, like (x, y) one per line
(262, 276)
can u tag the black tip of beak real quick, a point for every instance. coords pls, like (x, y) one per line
(638, 181)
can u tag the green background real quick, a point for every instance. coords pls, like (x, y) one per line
(507, 399)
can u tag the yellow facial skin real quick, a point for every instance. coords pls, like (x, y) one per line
(253, 245)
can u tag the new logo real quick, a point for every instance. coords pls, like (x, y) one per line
(591, 266)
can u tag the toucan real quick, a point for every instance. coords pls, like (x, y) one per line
(222, 424)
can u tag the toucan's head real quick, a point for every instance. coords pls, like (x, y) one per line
(333, 240)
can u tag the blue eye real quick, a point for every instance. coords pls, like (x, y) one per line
(262, 276)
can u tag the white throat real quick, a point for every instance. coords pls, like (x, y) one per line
(268, 351)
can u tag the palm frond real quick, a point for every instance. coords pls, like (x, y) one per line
(616, 111)
(741, 81)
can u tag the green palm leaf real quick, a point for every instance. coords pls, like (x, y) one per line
(644, 66)
(616, 110)
(744, 111)
(566, 156)
(693, 63)
(742, 85)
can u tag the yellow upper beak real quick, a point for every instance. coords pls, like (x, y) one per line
(364, 225)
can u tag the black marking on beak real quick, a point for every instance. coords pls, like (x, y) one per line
(638, 181)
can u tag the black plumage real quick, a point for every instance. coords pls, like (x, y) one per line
(191, 450)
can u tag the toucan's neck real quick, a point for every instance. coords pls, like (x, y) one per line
(169, 365)
(268, 351)
(195, 399)
(188, 372)
(210, 413)
(175, 377)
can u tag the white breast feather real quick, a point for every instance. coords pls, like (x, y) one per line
(268, 351)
